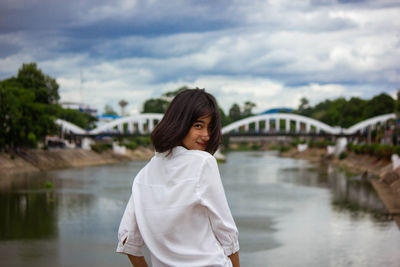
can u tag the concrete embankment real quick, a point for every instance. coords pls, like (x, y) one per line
(353, 163)
(384, 179)
(40, 160)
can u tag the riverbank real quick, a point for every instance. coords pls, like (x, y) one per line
(352, 163)
(380, 173)
(384, 179)
(43, 160)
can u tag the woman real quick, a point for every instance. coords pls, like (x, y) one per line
(178, 206)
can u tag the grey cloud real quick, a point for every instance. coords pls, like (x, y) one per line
(172, 41)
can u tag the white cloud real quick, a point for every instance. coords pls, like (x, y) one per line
(112, 9)
(10, 65)
(274, 53)
(265, 93)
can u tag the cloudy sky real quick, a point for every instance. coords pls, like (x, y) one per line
(269, 52)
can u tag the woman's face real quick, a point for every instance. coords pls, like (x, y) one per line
(199, 134)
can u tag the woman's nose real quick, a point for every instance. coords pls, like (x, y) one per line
(206, 135)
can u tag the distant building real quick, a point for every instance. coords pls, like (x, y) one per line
(104, 119)
(108, 118)
(277, 110)
(79, 106)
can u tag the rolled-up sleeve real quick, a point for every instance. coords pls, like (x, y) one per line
(130, 239)
(212, 196)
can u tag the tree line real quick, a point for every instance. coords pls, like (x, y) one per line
(29, 106)
(236, 112)
(345, 113)
(336, 112)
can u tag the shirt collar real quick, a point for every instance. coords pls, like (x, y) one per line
(175, 151)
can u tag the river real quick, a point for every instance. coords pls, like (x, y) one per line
(289, 213)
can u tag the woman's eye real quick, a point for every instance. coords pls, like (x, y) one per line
(197, 125)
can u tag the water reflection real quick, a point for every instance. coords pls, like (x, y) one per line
(283, 209)
(28, 215)
(256, 233)
(354, 193)
(357, 194)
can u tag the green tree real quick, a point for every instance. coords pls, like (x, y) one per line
(172, 94)
(155, 105)
(345, 113)
(81, 119)
(28, 108)
(225, 120)
(44, 87)
(237, 113)
(160, 105)
(398, 101)
(10, 113)
(24, 121)
(379, 105)
(303, 104)
(108, 110)
(248, 109)
(234, 112)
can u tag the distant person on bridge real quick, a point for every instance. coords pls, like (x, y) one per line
(178, 207)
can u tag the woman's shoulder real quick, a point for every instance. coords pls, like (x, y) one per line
(199, 154)
(201, 159)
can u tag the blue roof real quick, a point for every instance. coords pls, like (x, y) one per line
(108, 117)
(277, 110)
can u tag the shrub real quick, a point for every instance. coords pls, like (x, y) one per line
(139, 140)
(255, 147)
(143, 140)
(297, 141)
(32, 141)
(99, 148)
(376, 150)
(284, 149)
(342, 155)
(49, 185)
(320, 144)
(132, 145)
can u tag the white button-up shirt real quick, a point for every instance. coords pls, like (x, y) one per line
(179, 210)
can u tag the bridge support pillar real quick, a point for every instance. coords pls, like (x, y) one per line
(141, 128)
(130, 128)
(287, 126)
(151, 125)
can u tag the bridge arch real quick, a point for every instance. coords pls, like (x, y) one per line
(141, 123)
(298, 120)
(67, 127)
(363, 125)
(145, 123)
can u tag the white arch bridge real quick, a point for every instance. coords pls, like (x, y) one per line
(265, 124)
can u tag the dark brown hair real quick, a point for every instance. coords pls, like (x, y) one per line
(184, 110)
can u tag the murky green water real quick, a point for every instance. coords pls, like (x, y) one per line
(288, 211)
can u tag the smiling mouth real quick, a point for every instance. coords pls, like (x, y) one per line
(203, 144)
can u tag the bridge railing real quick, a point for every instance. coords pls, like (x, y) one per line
(265, 124)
